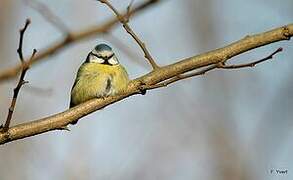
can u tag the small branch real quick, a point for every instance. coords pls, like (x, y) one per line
(21, 81)
(251, 64)
(128, 29)
(48, 15)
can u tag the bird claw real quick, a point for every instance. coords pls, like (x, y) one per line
(141, 88)
(142, 91)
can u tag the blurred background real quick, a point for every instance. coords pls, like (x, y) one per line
(227, 124)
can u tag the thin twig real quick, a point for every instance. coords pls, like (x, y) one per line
(21, 81)
(251, 64)
(128, 29)
(48, 15)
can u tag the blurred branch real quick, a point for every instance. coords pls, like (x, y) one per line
(39, 91)
(21, 81)
(124, 20)
(74, 38)
(127, 17)
(49, 16)
(147, 81)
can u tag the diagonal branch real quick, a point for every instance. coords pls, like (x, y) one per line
(21, 81)
(48, 15)
(147, 81)
(124, 20)
(74, 38)
(133, 57)
(220, 65)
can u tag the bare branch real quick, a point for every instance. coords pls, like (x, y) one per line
(21, 81)
(147, 81)
(128, 29)
(21, 32)
(74, 38)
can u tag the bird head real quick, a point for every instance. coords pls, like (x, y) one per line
(102, 54)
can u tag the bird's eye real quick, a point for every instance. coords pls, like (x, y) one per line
(113, 60)
(95, 59)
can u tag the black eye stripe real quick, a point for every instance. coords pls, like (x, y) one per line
(102, 57)
(110, 56)
(97, 55)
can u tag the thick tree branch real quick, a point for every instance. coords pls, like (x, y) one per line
(21, 81)
(124, 20)
(147, 81)
(74, 38)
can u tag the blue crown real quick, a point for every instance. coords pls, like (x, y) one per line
(103, 47)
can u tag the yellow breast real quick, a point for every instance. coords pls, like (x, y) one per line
(98, 80)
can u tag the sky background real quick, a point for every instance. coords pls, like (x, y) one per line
(227, 124)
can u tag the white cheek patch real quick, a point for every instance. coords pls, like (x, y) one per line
(113, 61)
(95, 59)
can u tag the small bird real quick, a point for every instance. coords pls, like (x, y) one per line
(101, 75)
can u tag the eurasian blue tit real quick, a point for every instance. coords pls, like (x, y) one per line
(99, 76)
